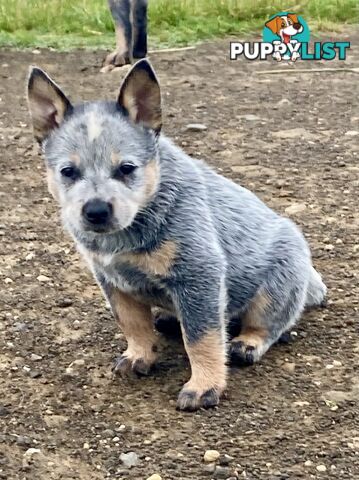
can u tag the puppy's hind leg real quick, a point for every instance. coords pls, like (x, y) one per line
(273, 310)
(316, 290)
(139, 28)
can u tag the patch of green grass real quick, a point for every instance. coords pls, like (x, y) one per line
(88, 23)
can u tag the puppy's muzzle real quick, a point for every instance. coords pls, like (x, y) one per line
(97, 213)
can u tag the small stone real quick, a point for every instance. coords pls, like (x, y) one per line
(23, 441)
(284, 101)
(195, 127)
(8, 280)
(225, 459)
(288, 367)
(86, 446)
(35, 358)
(308, 463)
(65, 302)
(321, 468)
(295, 208)
(211, 456)
(352, 133)
(250, 117)
(35, 374)
(79, 362)
(31, 451)
(3, 411)
(209, 468)
(70, 371)
(116, 439)
(155, 476)
(129, 459)
(337, 363)
(222, 472)
(43, 278)
(30, 256)
(300, 403)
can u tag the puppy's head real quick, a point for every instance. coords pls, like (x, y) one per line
(285, 25)
(101, 157)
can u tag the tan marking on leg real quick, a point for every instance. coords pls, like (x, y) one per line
(157, 262)
(208, 363)
(94, 126)
(52, 184)
(121, 42)
(255, 337)
(254, 332)
(135, 320)
(255, 315)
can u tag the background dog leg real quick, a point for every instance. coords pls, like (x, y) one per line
(121, 13)
(139, 28)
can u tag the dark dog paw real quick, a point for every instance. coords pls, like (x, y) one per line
(242, 354)
(190, 401)
(125, 366)
(115, 59)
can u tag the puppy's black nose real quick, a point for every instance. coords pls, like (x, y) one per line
(97, 212)
(297, 26)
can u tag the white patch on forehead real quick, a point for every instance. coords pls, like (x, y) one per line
(285, 20)
(94, 126)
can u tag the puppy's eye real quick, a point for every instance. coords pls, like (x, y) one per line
(72, 173)
(123, 170)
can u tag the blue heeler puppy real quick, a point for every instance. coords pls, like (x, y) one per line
(159, 228)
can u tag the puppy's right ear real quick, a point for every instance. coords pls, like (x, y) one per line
(47, 103)
(140, 96)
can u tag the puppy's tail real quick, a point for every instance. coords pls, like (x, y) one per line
(316, 290)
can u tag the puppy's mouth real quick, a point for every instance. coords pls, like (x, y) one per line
(100, 229)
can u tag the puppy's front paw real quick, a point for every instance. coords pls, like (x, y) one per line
(123, 366)
(190, 400)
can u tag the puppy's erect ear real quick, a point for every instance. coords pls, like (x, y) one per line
(274, 25)
(140, 96)
(47, 104)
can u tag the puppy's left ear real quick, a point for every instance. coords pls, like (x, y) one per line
(274, 25)
(48, 105)
(140, 96)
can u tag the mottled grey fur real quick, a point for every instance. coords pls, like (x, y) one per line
(230, 245)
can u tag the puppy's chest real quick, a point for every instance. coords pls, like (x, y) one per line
(132, 277)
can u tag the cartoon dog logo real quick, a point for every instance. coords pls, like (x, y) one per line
(285, 26)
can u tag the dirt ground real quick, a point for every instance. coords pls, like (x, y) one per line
(291, 138)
